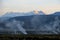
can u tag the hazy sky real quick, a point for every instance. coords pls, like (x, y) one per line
(47, 6)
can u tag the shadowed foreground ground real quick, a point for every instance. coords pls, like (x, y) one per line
(27, 37)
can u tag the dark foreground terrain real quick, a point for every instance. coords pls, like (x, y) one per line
(28, 37)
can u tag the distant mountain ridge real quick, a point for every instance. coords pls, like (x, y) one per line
(57, 13)
(40, 23)
(14, 14)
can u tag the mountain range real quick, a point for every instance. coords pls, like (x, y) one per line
(31, 23)
(14, 14)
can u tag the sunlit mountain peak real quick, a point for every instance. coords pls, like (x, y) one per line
(36, 11)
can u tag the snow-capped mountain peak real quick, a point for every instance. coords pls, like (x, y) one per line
(14, 14)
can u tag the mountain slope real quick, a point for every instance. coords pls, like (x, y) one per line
(34, 24)
(56, 13)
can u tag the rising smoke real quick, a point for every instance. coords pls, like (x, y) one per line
(15, 26)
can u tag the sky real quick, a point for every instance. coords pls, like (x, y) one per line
(47, 6)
